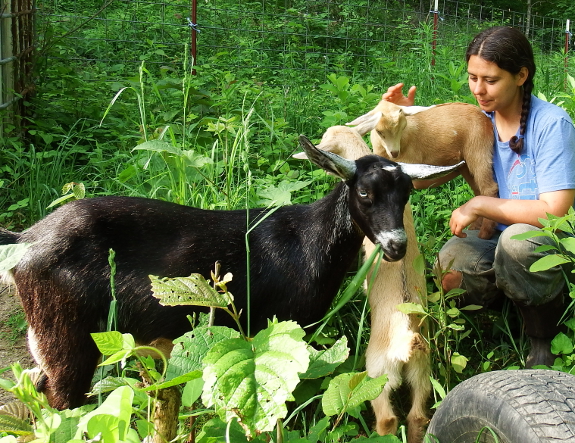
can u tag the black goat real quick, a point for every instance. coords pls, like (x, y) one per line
(299, 256)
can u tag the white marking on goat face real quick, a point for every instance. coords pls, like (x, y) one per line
(389, 241)
(390, 168)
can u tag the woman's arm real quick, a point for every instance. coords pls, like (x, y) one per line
(511, 211)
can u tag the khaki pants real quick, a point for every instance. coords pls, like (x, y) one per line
(500, 267)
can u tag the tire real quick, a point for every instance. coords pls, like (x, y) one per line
(523, 406)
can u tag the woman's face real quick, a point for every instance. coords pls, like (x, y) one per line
(494, 88)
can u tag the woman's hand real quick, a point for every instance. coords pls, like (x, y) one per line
(395, 95)
(463, 216)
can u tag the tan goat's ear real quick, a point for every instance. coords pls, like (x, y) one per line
(300, 156)
(366, 123)
(411, 110)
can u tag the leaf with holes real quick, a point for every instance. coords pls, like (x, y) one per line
(193, 290)
(252, 380)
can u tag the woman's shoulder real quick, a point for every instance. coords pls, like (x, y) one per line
(544, 111)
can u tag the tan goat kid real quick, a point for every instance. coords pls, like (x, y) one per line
(396, 346)
(438, 135)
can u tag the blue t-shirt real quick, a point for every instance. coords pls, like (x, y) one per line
(547, 161)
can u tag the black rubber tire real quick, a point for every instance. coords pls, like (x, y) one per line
(525, 406)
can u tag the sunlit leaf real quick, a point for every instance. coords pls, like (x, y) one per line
(548, 262)
(193, 290)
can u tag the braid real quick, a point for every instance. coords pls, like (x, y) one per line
(516, 143)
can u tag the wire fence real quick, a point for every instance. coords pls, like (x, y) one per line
(278, 38)
(270, 35)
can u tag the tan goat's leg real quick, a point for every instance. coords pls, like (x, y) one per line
(416, 373)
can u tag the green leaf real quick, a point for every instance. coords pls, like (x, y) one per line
(529, 234)
(108, 342)
(192, 392)
(548, 262)
(349, 390)
(251, 381)
(561, 344)
(568, 243)
(111, 418)
(10, 255)
(471, 308)
(193, 290)
(324, 362)
(411, 308)
(191, 348)
(458, 362)
(158, 146)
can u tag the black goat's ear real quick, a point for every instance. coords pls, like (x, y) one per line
(328, 161)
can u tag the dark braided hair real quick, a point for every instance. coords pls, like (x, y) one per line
(509, 49)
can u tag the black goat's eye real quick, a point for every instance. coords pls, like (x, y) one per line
(362, 193)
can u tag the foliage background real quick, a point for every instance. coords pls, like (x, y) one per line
(121, 107)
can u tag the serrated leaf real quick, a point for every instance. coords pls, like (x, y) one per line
(15, 425)
(561, 344)
(10, 255)
(350, 390)
(251, 381)
(322, 363)
(191, 348)
(548, 262)
(193, 290)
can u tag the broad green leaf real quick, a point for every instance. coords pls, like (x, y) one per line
(10, 255)
(193, 290)
(192, 392)
(252, 380)
(411, 308)
(111, 418)
(548, 262)
(108, 342)
(561, 344)
(349, 390)
(570, 323)
(191, 348)
(568, 243)
(322, 363)
(458, 362)
(529, 234)
(158, 146)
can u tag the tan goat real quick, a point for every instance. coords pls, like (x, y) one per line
(437, 135)
(396, 346)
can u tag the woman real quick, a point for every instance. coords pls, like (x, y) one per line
(534, 166)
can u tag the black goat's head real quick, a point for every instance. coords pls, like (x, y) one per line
(378, 192)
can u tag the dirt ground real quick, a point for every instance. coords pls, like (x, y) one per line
(10, 351)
